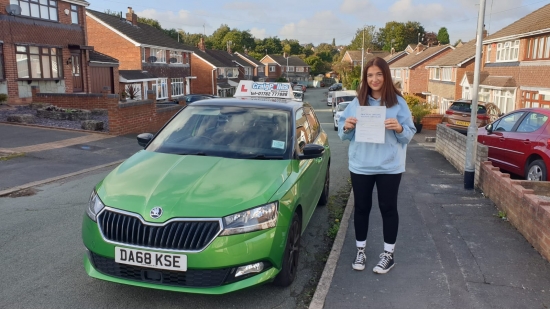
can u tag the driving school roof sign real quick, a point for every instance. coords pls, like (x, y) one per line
(248, 88)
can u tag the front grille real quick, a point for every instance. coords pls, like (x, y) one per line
(201, 278)
(176, 235)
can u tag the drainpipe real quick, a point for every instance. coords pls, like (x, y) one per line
(214, 69)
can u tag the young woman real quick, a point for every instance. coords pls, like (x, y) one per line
(377, 164)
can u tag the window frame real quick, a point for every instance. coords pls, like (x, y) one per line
(488, 56)
(163, 88)
(436, 74)
(74, 14)
(26, 8)
(508, 51)
(178, 55)
(260, 69)
(537, 48)
(290, 69)
(156, 51)
(398, 73)
(177, 83)
(447, 74)
(272, 70)
(57, 55)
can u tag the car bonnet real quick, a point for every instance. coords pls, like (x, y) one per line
(191, 186)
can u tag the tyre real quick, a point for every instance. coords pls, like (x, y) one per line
(536, 171)
(291, 255)
(323, 200)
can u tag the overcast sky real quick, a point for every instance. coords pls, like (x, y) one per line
(318, 21)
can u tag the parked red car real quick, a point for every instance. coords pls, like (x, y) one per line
(519, 143)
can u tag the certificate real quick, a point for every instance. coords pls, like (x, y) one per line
(370, 126)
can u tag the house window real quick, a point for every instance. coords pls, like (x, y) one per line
(160, 87)
(176, 57)
(74, 14)
(260, 69)
(177, 86)
(466, 92)
(447, 73)
(488, 56)
(247, 71)
(271, 68)
(398, 73)
(290, 69)
(538, 48)
(504, 99)
(1, 62)
(160, 54)
(143, 54)
(508, 51)
(38, 62)
(301, 69)
(436, 74)
(484, 95)
(44, 9)
(392, 73)
(135, 89)
(535, 99)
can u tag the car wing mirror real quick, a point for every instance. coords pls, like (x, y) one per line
(144, 139)
(312, 151)
(489, 128)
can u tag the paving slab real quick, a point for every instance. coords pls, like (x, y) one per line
(12, 136)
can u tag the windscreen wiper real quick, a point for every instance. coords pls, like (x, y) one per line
(193, 154)
(264, 157)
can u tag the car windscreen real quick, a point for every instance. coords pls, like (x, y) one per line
(346, 98)
(466, 107)
(227, 131)
(342, 106)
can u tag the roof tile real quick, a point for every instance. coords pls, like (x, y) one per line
(536, 20)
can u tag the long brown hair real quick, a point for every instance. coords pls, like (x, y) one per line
(389, 92)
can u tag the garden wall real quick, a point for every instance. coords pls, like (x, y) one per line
(75, 100)
(430, 122)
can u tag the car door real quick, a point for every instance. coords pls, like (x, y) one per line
(522, 141)
(500, 152)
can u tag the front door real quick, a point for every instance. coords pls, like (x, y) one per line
(76, 71)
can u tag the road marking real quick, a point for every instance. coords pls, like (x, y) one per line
(58, 144)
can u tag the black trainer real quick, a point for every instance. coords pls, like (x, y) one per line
(360, 259)
(386, 263)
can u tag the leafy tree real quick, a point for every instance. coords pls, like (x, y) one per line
(255, 55)
(430, 38)
(150, 22)
(370, 39)
(271, 45)
(411, 31)
(443, 36)
(399, 35)
(325, 56)
(215, 41)
(238, 39)
(316, 64)
(292, 47)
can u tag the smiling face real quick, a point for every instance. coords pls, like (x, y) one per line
(375, 80)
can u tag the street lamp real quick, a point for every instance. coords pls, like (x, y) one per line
(419, 35)
(178, 31)
(288, 56)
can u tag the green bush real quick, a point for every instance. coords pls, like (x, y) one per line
(354, 84)
(3, 98)
(418, 106)
(281, 80)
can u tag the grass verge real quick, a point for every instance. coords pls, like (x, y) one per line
(9, 156)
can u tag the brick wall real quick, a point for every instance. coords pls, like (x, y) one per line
(452, 145)
(444, 90)
(203, 71)
(74, 100)
(430, 122)
(526, 204)
(107, 42)
(418, 76)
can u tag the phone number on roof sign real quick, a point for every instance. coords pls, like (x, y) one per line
(270, 94)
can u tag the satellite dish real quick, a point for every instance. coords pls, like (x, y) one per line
(173, 60)
(13, 9)
(152, 59)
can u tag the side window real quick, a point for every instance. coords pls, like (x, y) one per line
(507, 123)
(303, 131)
(532, 122)
(313, 123)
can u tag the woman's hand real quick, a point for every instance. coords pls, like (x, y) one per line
(393, 124)
(350, 123)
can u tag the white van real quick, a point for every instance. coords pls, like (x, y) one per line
(342, 96)
(329, 97)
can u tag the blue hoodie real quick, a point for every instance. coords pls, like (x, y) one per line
(387, 158)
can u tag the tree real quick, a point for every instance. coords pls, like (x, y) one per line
(316, 64)
(239, 40)
(150, 22)
(430, 38)
(399, 35)
(443, 36)
(370, 41)
(271, 45)
(292, 47)
(215, 41)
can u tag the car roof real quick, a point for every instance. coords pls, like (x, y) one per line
(280, 104)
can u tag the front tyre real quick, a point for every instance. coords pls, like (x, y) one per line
(536, 171)
(323, 200)
(291, 255)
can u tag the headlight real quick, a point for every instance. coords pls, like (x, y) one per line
(94, 206)
(255, 219)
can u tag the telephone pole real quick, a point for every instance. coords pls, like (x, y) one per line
(362, 55)
(471, 138)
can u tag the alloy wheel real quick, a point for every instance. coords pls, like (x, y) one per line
(535, 173)
(294, 243)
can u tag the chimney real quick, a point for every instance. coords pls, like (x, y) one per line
(201, 45)
(368, 50)
(228, 43)
(392, 51)
(420, 47)
(131, 16)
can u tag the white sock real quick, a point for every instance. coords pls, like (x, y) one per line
(361, 244)
(389, 248)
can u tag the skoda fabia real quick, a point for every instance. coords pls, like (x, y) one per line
(215, 202)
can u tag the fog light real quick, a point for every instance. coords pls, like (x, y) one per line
(249, 269)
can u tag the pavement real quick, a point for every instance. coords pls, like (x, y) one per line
(452, 251)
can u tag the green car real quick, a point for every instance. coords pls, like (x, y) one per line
(215, 202)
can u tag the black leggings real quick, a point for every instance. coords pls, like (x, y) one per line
(387, 186)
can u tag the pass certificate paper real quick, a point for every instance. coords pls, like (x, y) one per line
(370, 126)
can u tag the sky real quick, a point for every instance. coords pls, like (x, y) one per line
(320, 21)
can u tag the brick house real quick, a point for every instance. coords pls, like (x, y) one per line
(149, 59)
(43, 44)
(258, 67)
(218, 72)
(353, 57)
(293, 68)
(394, 56)
(445, 75)
(516, 64)
(410, 73)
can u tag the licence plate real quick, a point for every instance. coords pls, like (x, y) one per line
(462, 123)
(177, 262)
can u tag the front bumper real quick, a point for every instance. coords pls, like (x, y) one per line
(210, 271)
